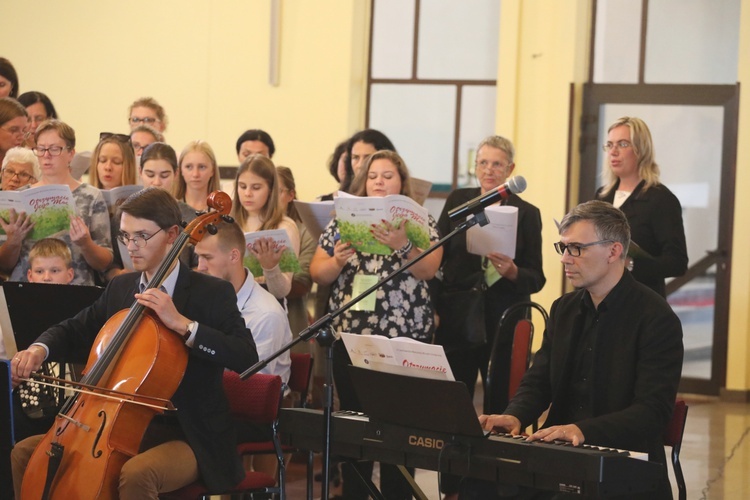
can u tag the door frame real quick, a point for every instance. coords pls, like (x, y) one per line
(726, 96)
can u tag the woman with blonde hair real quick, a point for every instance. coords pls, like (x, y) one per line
(113, 162)
(653, 211)
(256, 207)
(198, 175)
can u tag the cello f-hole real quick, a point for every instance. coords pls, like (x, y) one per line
(94, 452)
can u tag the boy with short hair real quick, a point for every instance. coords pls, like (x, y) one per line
(50, 261)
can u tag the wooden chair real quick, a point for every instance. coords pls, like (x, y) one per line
(256, 400)
(515, 322)
(673, 438)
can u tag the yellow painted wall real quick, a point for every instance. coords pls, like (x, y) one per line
(738, 356)
(544, 48)
(207, 63)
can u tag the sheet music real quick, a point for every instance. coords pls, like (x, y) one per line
(401, 356)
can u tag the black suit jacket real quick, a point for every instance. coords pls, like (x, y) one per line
(637, 362)
(460, 268)
(655, 217)
(221, 341)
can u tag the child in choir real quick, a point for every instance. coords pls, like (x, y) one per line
(113, 162)
(50, 261)
(256, 207)
(199, 175)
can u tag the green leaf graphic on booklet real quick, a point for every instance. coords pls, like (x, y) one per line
(359, 235)
(47, 222)
(287, 264)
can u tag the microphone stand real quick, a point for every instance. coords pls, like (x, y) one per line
(324, 334)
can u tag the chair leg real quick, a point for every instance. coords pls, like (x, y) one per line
(679, 477)
(310, 458)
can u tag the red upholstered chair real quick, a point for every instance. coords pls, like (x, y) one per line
(515, 322)
(255, 400)
(673, 438)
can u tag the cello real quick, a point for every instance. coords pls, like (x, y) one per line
(134, 367)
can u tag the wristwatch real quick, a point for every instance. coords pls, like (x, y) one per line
(189, 329)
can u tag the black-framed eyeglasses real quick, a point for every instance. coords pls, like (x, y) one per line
(574, 249)
(53, 150)
(146, 121)
(139, 240)
(112, 135)
(619, 145)
(8, 174)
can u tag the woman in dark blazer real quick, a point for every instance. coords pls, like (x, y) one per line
(658, 248)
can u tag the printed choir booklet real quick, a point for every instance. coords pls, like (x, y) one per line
(499, 235)
(288, 263)
(115, 196)
(399, 355)
(315, 215)
(50, 207)
(356, 215)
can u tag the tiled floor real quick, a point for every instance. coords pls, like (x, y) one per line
(715, 454)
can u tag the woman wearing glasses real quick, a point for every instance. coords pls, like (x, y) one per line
(654, 213)
(506, 280)
(20, 167)
(146, 111)
(14, 125)
(89, 235)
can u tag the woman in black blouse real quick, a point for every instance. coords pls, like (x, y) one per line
(654, 213)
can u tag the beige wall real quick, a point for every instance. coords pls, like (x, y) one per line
(738, 356)
(207, 64)
(544, 46)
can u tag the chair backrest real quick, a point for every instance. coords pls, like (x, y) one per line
(301, 372)
(520, 358)
(673, 438)
(676, 428)
(506, 368)
(256, 399)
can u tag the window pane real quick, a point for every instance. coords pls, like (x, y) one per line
(618, 41)
(477, 122)
(392, 38)
(692, 41)
(458, 40)
(420, 121)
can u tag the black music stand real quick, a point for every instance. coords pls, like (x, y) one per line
(419, 402)
(34, 307)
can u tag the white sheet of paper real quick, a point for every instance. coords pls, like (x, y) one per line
(499, 235)
(401, 355)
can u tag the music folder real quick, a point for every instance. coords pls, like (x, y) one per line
(34, 307)
(421, 403)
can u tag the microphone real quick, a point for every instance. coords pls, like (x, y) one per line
(514, 185)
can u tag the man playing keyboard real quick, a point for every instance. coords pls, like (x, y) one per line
(610, 361)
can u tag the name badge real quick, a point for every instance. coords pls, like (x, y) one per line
(361, 283)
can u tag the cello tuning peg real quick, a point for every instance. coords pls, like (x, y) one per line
(211, 229)
(228, 219)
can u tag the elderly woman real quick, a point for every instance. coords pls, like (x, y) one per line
(20, 167)
(14, 125)
(654, 213)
